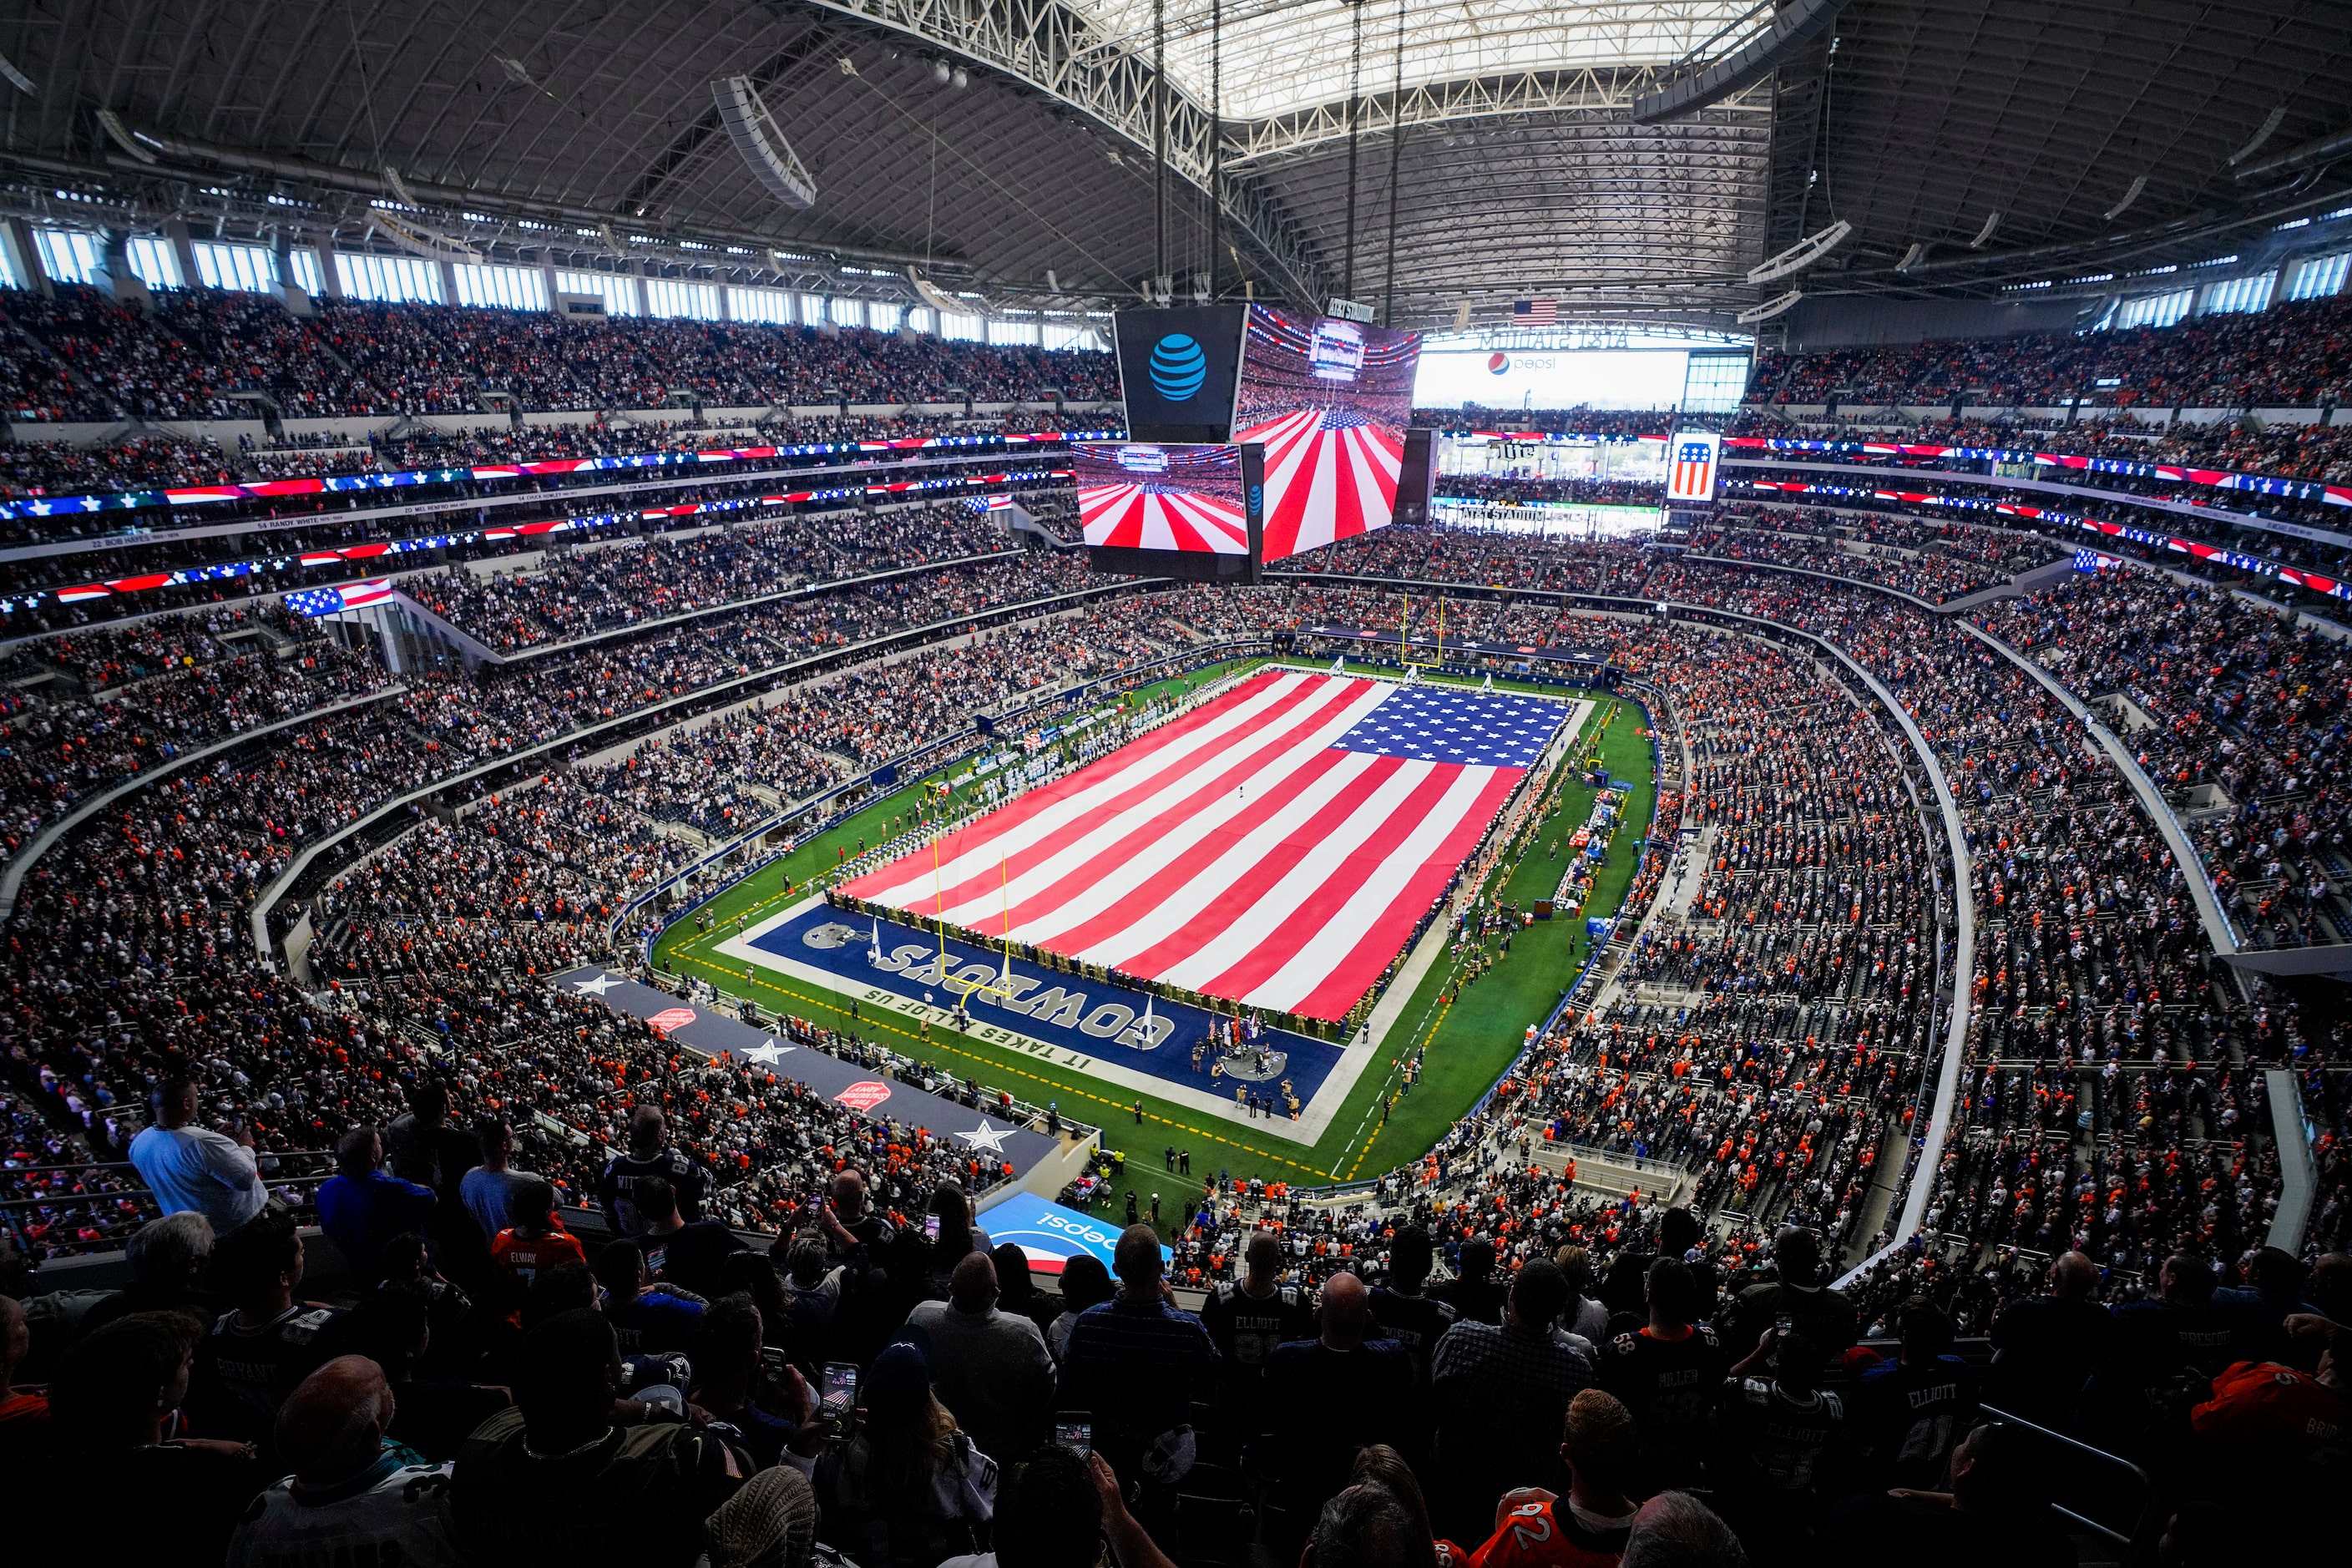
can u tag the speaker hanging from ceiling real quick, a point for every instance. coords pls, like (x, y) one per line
(754, 130)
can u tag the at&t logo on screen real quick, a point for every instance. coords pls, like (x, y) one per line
(1178, 367)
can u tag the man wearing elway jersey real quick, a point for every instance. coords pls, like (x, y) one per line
(1668, 1375)
(536, 1241)
(1587, 1528)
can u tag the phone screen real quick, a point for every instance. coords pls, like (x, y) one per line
(1074, 1431)
(840, 1387)
(930, 1228)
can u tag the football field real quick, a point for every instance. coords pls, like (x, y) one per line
(1150, 860)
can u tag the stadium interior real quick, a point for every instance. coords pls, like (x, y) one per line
(1658, 687)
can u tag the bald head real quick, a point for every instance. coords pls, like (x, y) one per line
(1136, 1260)
(1347, 1312)
(2073, 1277)
(973, 1287)
(332, 1425)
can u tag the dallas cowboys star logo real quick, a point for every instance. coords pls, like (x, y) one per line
(986, 1137)
(766, 1052)
(598, 986)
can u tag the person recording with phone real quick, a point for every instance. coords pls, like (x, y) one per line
(749, 1387)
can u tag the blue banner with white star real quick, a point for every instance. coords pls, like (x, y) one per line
(711, 1033)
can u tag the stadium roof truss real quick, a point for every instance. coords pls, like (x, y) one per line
(1490, 146)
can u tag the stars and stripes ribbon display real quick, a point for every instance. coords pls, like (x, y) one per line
(1276, 847)
(317, 602)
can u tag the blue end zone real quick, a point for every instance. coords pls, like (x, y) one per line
(1096, 1019)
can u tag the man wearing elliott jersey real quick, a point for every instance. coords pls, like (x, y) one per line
(1246, 1319)
(355, 1496)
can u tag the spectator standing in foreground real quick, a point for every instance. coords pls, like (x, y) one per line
(1909, 1412)
(1246, 1319)
(1085, 1283)
(910, 1487)
(192, 1167)
(489, 1187)
(1799, 1292)
(1536, 1529)
(535, 1243)
(1995, 1512)
(256, 1355)
(648, 1319)
(2045, 1346)
(169, 1259)
(1501, 1394)
(1134, 1362)
(991, 1367)
(557, 1481)
(649, 1156)
(1668, 1374)
(361, 1206)
(114, 1462)
(1473, 1293)
(1675, 1529)
(1329, 1396)
(689, 1256)
(355, 1495)
(1776, 1426)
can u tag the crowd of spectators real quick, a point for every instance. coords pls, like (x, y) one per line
(2293, 355)
(2238, 714)
(86, 357)
(1508, 490)
(1369, 1369)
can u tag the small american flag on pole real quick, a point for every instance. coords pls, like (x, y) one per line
(1534, 312)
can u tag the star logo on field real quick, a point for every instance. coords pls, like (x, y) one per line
(598, 986)
(766, 1052)
(986, 1137)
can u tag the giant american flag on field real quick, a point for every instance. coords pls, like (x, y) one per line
(1274, 847)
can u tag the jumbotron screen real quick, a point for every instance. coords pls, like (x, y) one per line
(1186, 510)
(1331, 400)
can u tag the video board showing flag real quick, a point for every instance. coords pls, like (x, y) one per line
(1177, 510)
(1690, 463)
(1275, 847)
(1148, 496)
(1330, 399)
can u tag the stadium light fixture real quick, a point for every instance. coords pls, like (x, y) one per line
(754, 133)
(1803, 254)
(419, 241)
(1769, 308)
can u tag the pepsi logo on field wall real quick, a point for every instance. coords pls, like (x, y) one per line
(1498, 364)
(1178, 367)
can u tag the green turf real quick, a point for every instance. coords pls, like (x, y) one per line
(1471, 1040)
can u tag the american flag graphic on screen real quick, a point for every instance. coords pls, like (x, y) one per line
(1690, 474)
(1275, 847)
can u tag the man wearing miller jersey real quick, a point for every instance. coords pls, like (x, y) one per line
(1668, 1374)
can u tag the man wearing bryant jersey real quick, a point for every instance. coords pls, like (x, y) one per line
(649, 1156)
(1248, 1317)
(255, 1355)
(355, 1495)
(1668, 1374)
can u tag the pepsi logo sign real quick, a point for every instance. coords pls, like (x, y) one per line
(1498, 364)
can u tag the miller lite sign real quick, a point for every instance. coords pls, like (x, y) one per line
(1690, 466)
